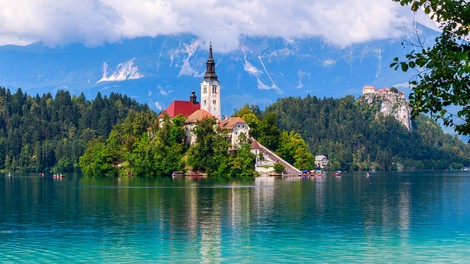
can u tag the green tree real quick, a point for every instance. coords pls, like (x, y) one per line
(443, 70)
(268, 132)
(247, 114)
(294, 150)
(279, 168)
(97, 160)
(242, 163)
(199, 154)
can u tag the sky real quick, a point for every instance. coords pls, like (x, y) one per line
(96, 22)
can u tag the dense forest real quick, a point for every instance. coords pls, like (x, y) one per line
(349, 134)
(46, 133)
(116, 135)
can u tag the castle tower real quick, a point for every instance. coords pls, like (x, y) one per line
(210, 88)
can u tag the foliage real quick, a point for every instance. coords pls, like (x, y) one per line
(279, 168)
(443, 70)
(211, 152)
(242, 163)
(46, 133)
(144, 147)
(249, 116)
(294, 150)
(97, 159)
(353, 137)
(139, 146)
(268, 132)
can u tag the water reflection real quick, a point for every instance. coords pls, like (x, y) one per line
(218, 220)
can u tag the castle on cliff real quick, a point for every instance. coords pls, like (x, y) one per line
(371, 90)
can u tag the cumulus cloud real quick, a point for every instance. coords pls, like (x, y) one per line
(94, 22)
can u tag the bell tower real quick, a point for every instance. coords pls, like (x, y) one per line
(210, 88)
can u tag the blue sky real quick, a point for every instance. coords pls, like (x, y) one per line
(95, 22)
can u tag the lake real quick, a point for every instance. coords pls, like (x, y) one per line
(387, 217)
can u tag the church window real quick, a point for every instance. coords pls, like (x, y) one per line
(204, 102)
(204, 89)
(214, 102)
(214, 89)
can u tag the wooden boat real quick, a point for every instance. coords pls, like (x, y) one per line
(179, 174)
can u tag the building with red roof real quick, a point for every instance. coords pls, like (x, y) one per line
(184, 108)
(191, 121)
(236, 126)
(198, 115)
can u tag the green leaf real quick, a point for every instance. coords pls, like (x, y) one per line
(404, 66)
(427, 10)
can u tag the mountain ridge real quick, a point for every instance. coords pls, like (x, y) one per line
(262, 70)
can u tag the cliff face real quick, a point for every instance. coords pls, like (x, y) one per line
(390, 104)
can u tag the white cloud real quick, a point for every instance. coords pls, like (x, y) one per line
(329, 62)
(163, 91)
(301, 75)
(94, 22)
(158, 106)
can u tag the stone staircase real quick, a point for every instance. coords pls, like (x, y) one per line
(271, 158)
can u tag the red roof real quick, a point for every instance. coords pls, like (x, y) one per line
(384, 90)
(231, 122)
(255, 144)
(198, 115)
(185, 108)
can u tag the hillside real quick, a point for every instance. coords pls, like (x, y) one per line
(157, 70)
(44, 133)
(355, 136)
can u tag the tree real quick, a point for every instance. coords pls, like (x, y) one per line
(201, 154)
(247, 114)
(268, 133)
(279, 168)
(294, 150)
(443, 70)
(97, 159)
(242, 163)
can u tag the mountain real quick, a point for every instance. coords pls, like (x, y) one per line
(158, 70)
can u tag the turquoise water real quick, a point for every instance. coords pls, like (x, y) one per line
(397, 217)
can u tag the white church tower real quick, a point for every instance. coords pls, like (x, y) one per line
(210, 88)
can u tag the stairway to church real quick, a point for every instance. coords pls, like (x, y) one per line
(268, 154)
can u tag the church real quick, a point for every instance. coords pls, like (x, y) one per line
(210, 106)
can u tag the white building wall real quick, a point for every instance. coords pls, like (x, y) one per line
(237, 130)
(210, 97)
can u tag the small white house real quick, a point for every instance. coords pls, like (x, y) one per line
(321, 161)
(236, 126)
